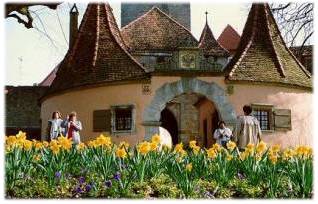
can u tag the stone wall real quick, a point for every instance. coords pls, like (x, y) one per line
(187, 116)
(23, 109)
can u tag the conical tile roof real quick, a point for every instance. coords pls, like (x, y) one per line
(229, 39)
(157, 31)
(209, 45)
(99, 54)
(262, 55)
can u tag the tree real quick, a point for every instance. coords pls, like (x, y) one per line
(13, 9)
(295, 21)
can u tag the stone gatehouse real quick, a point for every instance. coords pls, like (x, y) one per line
(154, 73)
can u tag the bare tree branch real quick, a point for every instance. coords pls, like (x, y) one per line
(23, 9)
(295, 21)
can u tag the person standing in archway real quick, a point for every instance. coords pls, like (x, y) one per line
(247, 129)
(222, 134)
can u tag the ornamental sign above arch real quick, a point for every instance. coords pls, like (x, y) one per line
(168, 91)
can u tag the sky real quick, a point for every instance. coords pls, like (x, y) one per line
(31, 54)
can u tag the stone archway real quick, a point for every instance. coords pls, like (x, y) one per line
(170, 123)
(168, 91)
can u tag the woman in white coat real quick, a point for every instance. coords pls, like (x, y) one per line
(54, 126)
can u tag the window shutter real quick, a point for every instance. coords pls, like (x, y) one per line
(102, 121)
(282, 119)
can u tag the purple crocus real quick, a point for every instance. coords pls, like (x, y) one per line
(88, 187)
(79, 189)
(108, 183)
(58, 174)
(117, 176)
(240, 176)
(81, 180)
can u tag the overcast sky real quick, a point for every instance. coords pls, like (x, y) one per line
(31, 55)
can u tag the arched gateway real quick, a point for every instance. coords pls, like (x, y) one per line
(168, 91)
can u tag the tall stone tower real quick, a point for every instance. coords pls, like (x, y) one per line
(179, 11)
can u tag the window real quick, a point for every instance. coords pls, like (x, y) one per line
(123, 118)
(263, 118)
(264, 114)
(161, 59)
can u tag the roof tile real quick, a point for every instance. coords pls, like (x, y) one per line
(229, 39)
(262, 55)
(99, 53)
(209, 45)
(155, 30)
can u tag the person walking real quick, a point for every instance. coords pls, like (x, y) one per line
(247, 129)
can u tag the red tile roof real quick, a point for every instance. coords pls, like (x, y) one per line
(98, 55)
(209, 45)
(263, 57)
(229, 39)
(155, 30)
(47, 81)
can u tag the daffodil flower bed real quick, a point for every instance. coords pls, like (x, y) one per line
(102, 169)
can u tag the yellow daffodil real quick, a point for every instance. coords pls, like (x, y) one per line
(273, 158)
(211, 153)
(275, 148)
(229, 157)
(38, 145)
(121, 153)
(261, 147)
(244, 155)
(231, 145)
(178, 147)
(156, 139)
(144, 148)
(189, 167)
(250, 148)
(308, 151)
(196, 150)
(303, 151)
(81, 146)
(65, 143)
(288, 154)
(103, 141)
(21, 135)
(11, 140)
(153, 146)
(54, 146)
(216, 147)
(27, 145)
(8, 149)
(92, 144)
(192, 144)
(124, 144)
(258, 157)
(45, 144)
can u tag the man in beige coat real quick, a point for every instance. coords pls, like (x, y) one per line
(247, 129)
